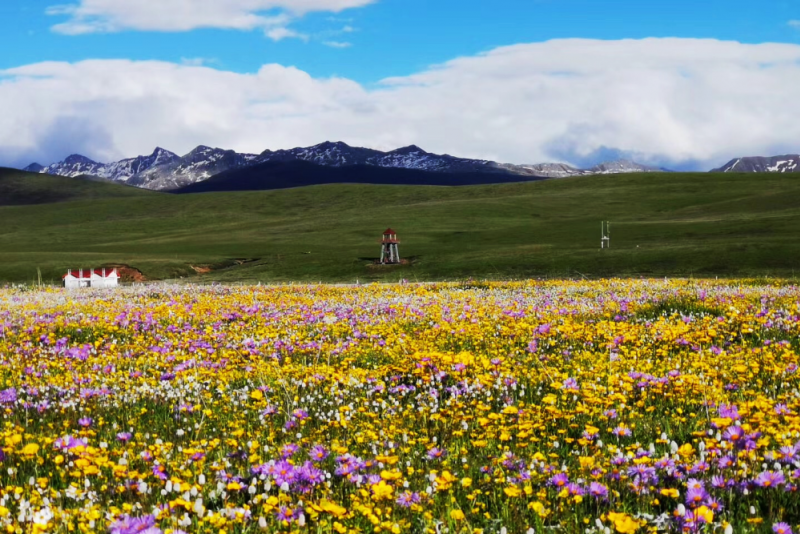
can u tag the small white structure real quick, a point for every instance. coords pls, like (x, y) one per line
(77, 278)
(605, 234)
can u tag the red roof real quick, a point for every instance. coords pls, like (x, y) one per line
(389, 231)
(85, 274)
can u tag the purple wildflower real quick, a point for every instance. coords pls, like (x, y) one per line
(135, 525)
(318, 453)
(436, 453)
(598, 491)
(770, 479)
(407, 499)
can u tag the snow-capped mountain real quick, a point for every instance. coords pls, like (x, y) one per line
(121, 171)
(165, 171)
(790, 163)
(74, 165)
(200, 164)
(622, 166)
(411, 157)
(553, 170)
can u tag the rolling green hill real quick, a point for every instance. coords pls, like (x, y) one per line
(662, 224)
(21, 188)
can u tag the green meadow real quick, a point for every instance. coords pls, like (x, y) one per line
(672, 224)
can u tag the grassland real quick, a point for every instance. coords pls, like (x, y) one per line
(662, 224)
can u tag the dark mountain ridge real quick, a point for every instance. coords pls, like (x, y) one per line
(165, 171)
(297, 173)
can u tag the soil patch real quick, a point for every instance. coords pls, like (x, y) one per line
(127, 273)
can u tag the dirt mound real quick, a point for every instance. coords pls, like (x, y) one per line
(128, 273)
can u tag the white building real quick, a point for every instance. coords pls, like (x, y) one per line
(76, 278)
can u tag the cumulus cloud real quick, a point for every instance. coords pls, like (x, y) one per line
(93, 16)
(673, 102)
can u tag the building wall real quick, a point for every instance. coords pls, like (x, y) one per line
(98, 281)
(95, 281)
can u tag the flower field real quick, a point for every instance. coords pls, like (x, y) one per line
(598, 407)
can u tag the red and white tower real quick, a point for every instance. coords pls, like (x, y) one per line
(389, 251)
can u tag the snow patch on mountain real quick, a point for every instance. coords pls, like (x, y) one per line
(787, 163)
(163, 170)
(121, 171)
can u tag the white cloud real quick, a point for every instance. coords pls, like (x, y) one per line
(794, 24)
(668, 101)
(337, 44)
(280, 33)
(91, 16)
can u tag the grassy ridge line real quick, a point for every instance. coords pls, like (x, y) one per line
(670, 224)
(24, 188)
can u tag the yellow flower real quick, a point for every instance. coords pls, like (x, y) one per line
(705, 513)
(539, 508)
(466, 482)
(332, 508)
(382, 491)
(391, 475)
(512, 491)
(31, 449)
(623, 523)
(456, 515)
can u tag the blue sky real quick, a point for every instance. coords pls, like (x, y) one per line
(431, 49)
(400, 37)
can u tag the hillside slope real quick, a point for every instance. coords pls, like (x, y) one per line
(288, 174)
(22, 188)
(662, 224)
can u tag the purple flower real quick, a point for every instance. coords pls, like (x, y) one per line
(407, 499)
(8, 396)
(289, 450)
(135, 525)
(436, 453)
(285, 514)
(598, 491)
(725, 462)
(570, 384)
(714, 505)
(696, 496)
(160, 472)
(782, 409)
(560, 480)
(734, 434)
(284, 473)
(124, 437)
(318, 453)
(574, 489)
(85, 422)
(622, 431)
(731, 411)
(770, 479)
(68, 443)
(781, 528)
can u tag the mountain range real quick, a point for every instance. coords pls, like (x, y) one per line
(166, 171)
(790, 163)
